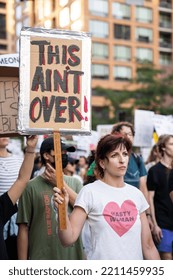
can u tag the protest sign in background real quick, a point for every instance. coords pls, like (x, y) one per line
(9, 89)
(146, 123)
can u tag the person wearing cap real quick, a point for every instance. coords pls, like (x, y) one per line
(37, 217)
(70, 169)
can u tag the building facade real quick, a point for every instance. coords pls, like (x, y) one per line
(124, 33)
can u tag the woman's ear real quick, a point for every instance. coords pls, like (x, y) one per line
(102, 164)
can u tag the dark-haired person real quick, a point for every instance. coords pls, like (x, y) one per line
(136, 174)
(115, 210)
(160, 201)
(8, 200)
(38, 229)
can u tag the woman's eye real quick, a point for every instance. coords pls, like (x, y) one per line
(113, 155)
(125, 154)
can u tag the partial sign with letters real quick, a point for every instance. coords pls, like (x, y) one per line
(9, 91)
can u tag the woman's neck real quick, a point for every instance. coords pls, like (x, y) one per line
(117, 182)
(167, 162)
(4, 152)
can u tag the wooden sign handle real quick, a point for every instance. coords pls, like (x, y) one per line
(59, 178)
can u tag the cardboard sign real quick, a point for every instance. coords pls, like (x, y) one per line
(9, 87)
(54, 81)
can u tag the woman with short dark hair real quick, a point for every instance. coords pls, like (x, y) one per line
(114, 210)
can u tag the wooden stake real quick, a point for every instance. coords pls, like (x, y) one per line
(59, 178)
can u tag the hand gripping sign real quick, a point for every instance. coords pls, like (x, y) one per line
(55, 84)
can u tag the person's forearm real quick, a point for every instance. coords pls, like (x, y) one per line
(66, 236)
(24, 176)
(144, 190)
(151, 253)
(22, 244)
(152, 210)
(27, 165)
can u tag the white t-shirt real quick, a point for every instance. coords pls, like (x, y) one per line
(114, 220)
(9, 170)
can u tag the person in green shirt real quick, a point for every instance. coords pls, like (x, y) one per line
(37, 217)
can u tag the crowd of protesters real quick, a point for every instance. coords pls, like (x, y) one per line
(117, 205)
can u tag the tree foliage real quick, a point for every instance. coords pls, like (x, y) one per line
(153, 88)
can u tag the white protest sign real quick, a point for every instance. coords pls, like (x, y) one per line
(11, 60)
(144, 127)
(163, 124)
(85, 142)
(104, 129)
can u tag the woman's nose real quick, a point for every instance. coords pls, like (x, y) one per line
(121, 158)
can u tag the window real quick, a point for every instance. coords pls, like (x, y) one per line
(64, 17)
(62, 3)
(122, 53)
(100, 71)
(144, 14)
(122, 73)
(101, 113)
(144, 35)
(121, 11)
(135, 2)
(165, 40)
(3, 34)
(2, 5)
(165, 20)
(98, 28)
(100, 51)
(75, 10)
(143, 54)
(122, 32)
(166, 4)
(98, 7)
(3, 47)
(165, 58)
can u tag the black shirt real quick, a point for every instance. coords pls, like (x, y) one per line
(7, 209)
(170, 181)
(157, 181)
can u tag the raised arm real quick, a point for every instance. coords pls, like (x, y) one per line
(25, 171)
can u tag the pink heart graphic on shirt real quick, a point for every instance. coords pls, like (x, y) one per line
(120, 219)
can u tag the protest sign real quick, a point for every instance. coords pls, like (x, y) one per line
(144, 127)
(54, 81)
(163, 124)
(11, 60)
(55, 86)
(104, 129)
(9, 87)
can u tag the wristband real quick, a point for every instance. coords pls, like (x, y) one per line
(29, 152)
